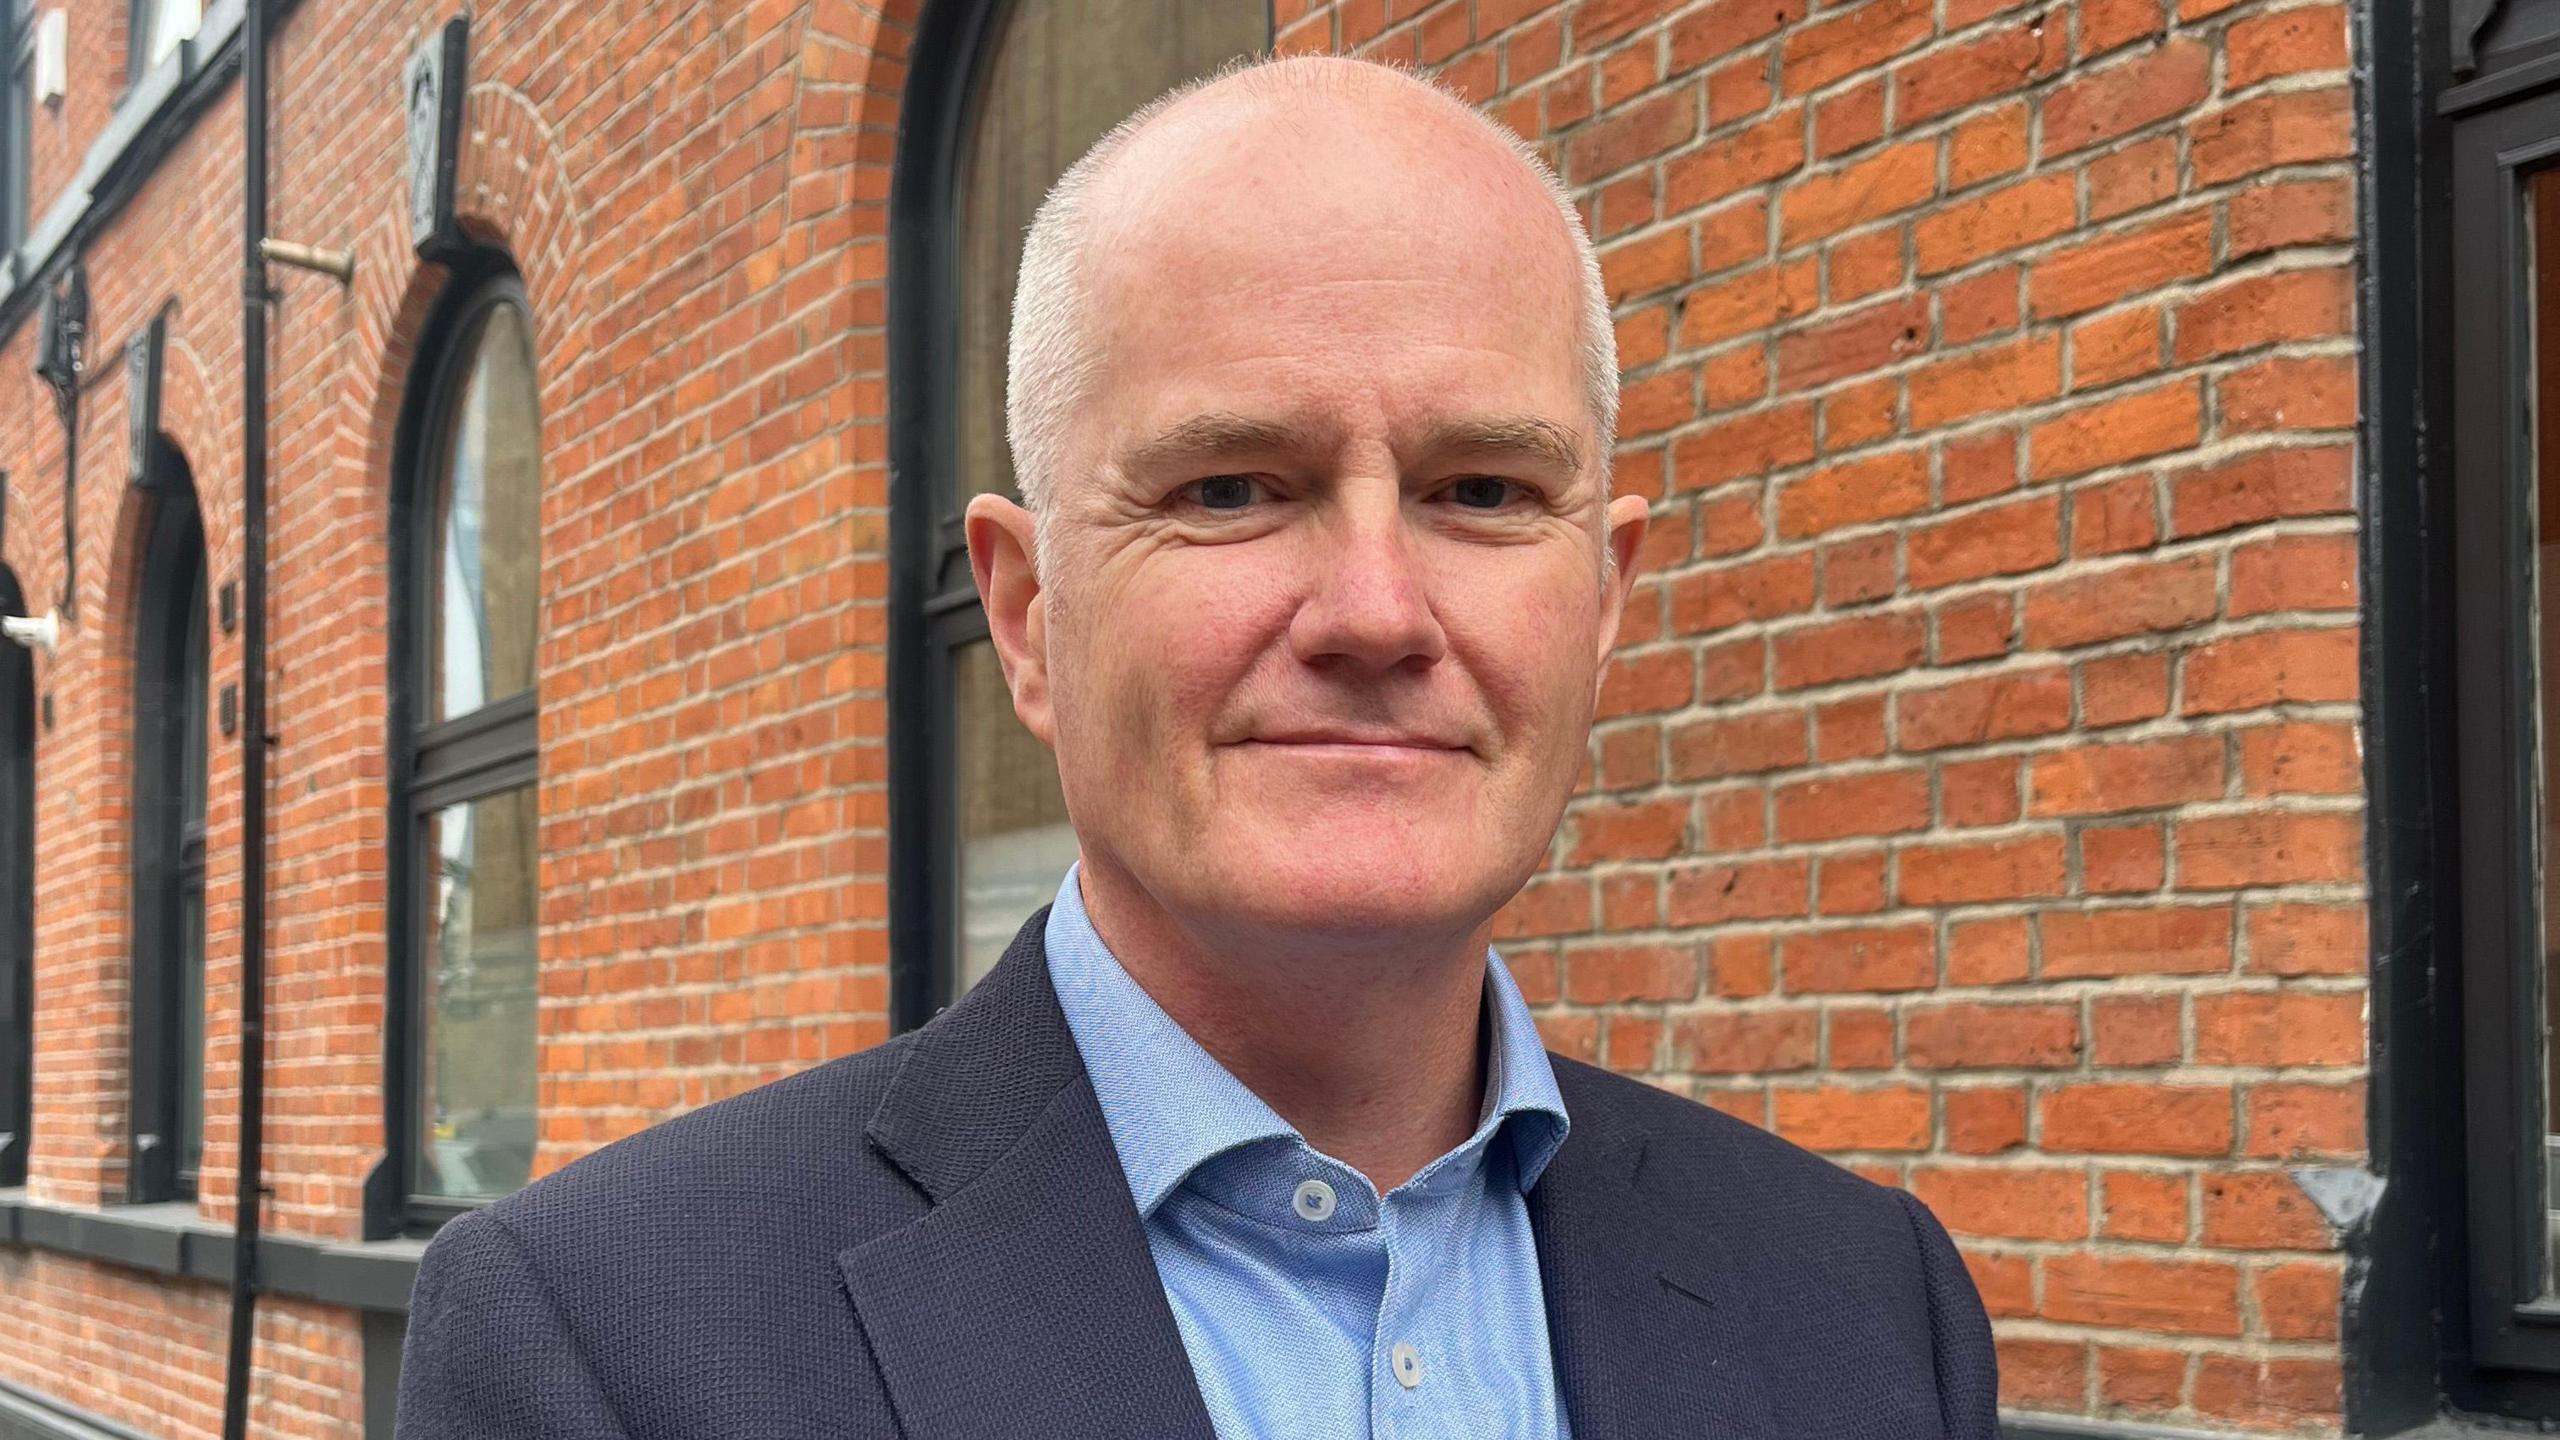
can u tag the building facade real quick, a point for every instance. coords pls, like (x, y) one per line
(2075, 753)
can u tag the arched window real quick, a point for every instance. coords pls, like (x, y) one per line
(168, 838)
(1003, 97)
(17, 895)
(466, 622)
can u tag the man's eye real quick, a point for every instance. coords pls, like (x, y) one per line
(1223, 492)
(1481, 492)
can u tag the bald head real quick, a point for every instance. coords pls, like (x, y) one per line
(1278, 182)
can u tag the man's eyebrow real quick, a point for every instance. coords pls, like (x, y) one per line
(1218, 434)
(1531, 437)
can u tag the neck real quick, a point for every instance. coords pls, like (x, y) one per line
(1369, 1048)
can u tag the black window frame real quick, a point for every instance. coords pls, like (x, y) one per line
(491, 750)
(934, 612)
(171, 679)
(17, 896)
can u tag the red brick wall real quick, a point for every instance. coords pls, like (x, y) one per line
(1977, 794)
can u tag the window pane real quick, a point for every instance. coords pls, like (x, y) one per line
(486, 526)
(1015, 843)
(1063, 73)
(2543, 505)
(477, 1085)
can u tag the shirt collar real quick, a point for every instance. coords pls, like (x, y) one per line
(1171, 1106)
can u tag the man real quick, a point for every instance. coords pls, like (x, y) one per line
(1249, 1135)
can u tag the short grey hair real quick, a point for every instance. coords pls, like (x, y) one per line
(1050, 365)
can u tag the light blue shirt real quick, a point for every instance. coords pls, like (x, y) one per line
(1311, 1306)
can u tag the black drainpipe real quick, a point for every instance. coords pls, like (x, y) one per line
(253, 725)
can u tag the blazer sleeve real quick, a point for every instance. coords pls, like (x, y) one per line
(1968, 1368)
(488, 1355)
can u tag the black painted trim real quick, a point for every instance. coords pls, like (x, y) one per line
(172, 1240)
(27, 1414)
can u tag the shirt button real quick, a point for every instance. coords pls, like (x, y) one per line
(1408, 1364)
(1314, 1201)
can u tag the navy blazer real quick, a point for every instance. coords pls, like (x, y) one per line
(934, 1240)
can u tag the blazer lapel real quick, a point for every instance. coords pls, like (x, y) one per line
(1025, 1301)
(1648, 1342)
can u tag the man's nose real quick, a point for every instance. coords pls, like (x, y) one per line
(1368, 598)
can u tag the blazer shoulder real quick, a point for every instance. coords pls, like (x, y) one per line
(766, 1148)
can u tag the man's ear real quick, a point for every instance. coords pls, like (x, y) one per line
(1002, 545)
(1623, 530)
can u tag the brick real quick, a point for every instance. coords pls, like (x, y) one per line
(2115, 517)
(2136, 775)
(1647, 683)
(1753, 890)
(2110, 24)
(1978, 792)
(1617, 974)
(2268, 309)
(2300, 758)
(2279, 213)
(2228, 852)
(1754, 155)
(1850, 884)
(2316, 392)
(2116, 430)
(2129, 1032)
(2004, 376)
(2099, 106)
(2007, 706)
(2141, 940)
(2280, 1028)
(1839, 1118)
(2124, 689)
(1757, 299)
(1977, 466)
(1752, 444)
(2179, 1297)
(1976, 627)
(1739, 745)
(1828, 807)
(1988, 952)
(1858, 1037)
(1732, 234)
(1991, 1037)
(1880, 487)
(2117, 346)
(1714, 31)
(2289, 127)
(1851, 649)
(1741, 966)
(1852, 344)
(1826, 50)
(1718, 597)
(1889, 181)
(1986, 147)
(1949, 78)
(1861, 414)
(2049, 1374)
(1985, 1120)
(2112, 1118)
(2270, 667)
(2298, 1301)
(2132, 178)
(1632, 830)
(2111, 267)
(1978, 307)
(2268, 1392)
(2305, 939)
(2123, 859)
(1867, 263)
(2259, 486)
(1992, 870)
(2140, 1379)
(2143, 1205)
(1995, 222)
(2008, 1203)
(2143, 598)
(1830, 962)
(1851, 729)
(2261, 1210)
(2293, 572)
(1749, 1042)
(2298, 1122)
(1649, 128)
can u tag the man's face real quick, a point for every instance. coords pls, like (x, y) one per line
(1327, 598)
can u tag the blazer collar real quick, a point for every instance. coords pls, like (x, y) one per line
(1650, 1335)
(1025, 1301)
